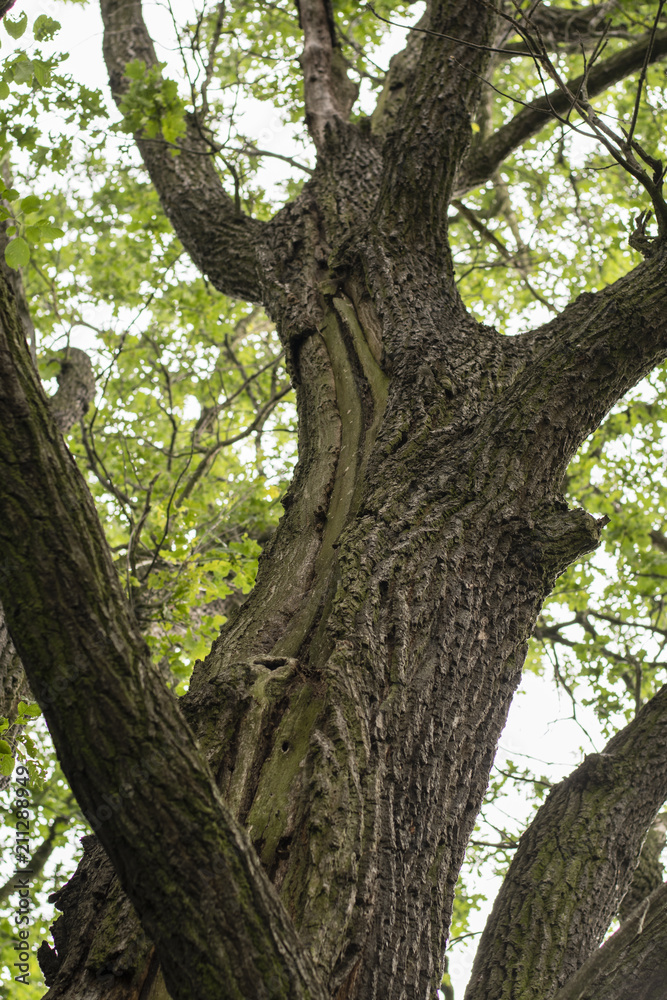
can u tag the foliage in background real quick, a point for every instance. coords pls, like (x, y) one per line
(191, 439)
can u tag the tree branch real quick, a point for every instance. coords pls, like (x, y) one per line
(76, 389)
(570, 28)
(329, 94)
(483, 160)
(581, 362)
(649, 872)
(574, 864)
(402, 67)
(222, 241)
(40, 855)
(433, 127)
(218, 926)
(13, 683)
(632, 963)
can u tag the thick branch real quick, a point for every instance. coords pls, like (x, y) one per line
(402, 68)
(218, 926)
(574, 864)
(482, 161)
(76, 389)
(433, 129)
(222, 241)
(587, 358)
(571, 28)
(328, 93)
(632, 963)
(648, 873)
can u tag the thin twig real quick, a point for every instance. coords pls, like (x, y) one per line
(642, 75)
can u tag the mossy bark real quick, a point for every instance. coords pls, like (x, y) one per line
(350, 710)
(122, 741)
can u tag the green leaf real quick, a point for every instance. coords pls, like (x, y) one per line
(4, 91)
(41, 72)
(136, 69)
(5, 747)
(51, 233)
(17, 253)
(6, 764)
(45, 28)
(31, 203)
(23, 71)
(16, 28)
(32, 710)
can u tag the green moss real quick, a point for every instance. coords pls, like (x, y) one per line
(378, 381)
(268, 816)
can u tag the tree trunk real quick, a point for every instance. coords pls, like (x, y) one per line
(350, 709)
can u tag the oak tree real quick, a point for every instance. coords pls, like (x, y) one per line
(294, 824)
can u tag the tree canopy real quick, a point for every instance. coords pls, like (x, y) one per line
(129, 234)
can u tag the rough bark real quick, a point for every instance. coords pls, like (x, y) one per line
(342, 745)
(116, 970)
(649, 872)
(329, 95)
(632, 963)
(76, 388)
(574, 864)
(121, 739)
(350, 710)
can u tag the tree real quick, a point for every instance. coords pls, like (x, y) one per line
(293, 825)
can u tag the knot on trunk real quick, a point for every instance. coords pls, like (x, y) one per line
(567, 535)
(554, 537)
(76, 389)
